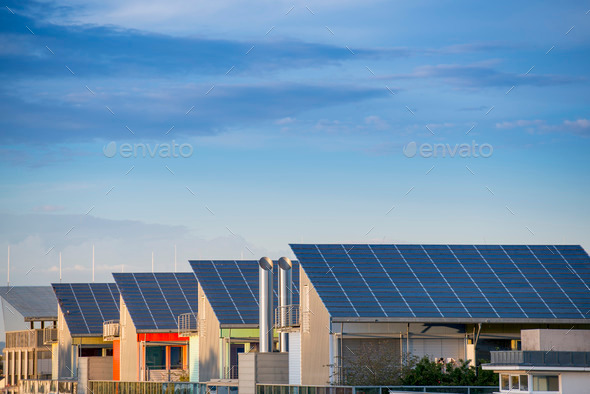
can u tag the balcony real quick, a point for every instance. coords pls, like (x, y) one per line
(540, 358)
(49, 335)
(25, 339)
(187, 325)
(287, 318)
(111, 330)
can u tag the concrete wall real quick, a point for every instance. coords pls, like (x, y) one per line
(209, 341)
(129, 347)
(93, 368)
(264, 368)
(575, 382)
(316, 338)
(556, 340)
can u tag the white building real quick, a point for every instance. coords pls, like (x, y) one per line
(551, 361)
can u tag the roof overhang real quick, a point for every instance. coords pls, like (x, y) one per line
(455, 320)
(40, 318)
(238, 325)
(158, 331)
(86, 335)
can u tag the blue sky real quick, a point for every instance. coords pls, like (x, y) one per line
(296, 115)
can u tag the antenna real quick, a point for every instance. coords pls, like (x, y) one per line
(59, 267)
(8, 276)
(174, 258)
(93, 263)
(152, 262)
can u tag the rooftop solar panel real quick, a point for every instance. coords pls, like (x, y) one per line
(86, 306)
(231, 287)
(32, 302)
(155, 300)
(461, 282)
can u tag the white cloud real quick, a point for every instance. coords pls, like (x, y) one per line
(579, 126)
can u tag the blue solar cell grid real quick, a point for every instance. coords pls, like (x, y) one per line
(450, 281)
(155, 300)
(231, 287)
(86, 306)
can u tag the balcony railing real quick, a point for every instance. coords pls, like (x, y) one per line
(541, 358)
(187, 325)
(111, 330)
(287, 317)
(25, 338)
(49, 335)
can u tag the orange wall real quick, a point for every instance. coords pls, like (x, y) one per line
(116, 360)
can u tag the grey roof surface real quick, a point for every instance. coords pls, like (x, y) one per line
(33, 302)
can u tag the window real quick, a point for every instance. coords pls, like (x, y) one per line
(545, 383)
(504, 382)
(514, 383)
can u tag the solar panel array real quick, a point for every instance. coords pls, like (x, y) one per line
(86, 306)
(450, 281)
(231, 287)
(32, 302)
(155, 300)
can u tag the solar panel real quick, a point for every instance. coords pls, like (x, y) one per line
(473, 282)
(32, 302)
(231, 286)
(86, 306)
(155, 300)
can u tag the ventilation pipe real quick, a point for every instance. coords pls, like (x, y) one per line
(265, 297)
(285, 299)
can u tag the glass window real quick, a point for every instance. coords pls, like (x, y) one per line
(176, 357)
(514, 382)
(504, 382)
(524, 382)
(545, 383)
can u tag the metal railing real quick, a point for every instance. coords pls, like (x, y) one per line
(293, 389)
(541, 358)
(287, 317)
(49, 335)
(117, 387)
(230, 372)
(111, 330)
(47, 387)
(187, 325)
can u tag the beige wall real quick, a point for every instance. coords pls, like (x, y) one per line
(556, 340)
(315, 342)
(209, 342)
(129, 347)
(64, 348)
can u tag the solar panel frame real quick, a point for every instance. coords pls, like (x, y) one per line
(231, 288)
(155, 300)
(450, 282)
(86, 306)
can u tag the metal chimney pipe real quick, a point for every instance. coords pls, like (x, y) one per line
(285, 299)
(265, 299)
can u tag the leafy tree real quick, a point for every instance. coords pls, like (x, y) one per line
(375, 364)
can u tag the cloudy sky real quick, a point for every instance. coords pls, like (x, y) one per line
(231, 129)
